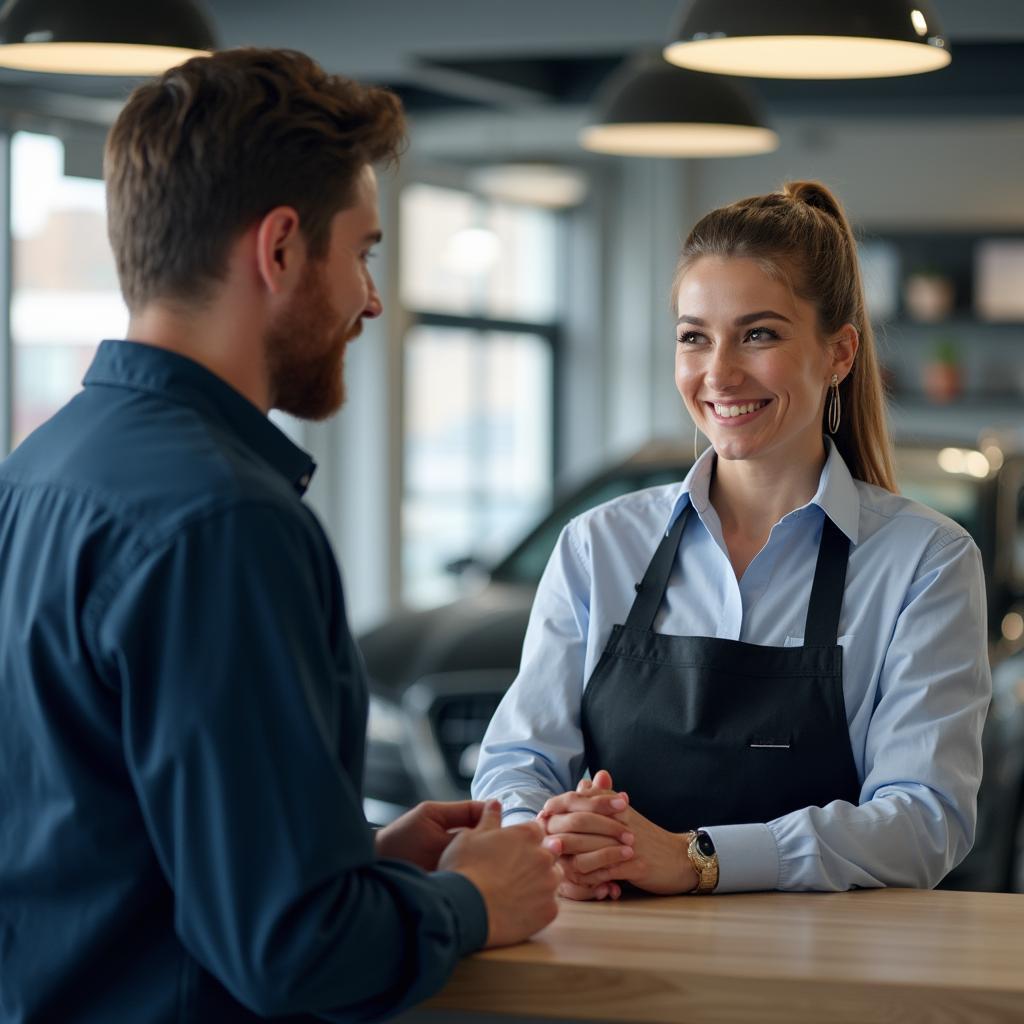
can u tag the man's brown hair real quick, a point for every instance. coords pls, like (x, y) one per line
(205, 151)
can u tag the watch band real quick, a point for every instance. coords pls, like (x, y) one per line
(704, 858)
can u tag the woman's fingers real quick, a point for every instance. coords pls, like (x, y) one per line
(633, 870)
(595, 801)
(581, 842)
(596, 860)
(584, 822)
(584, 892)
(626, 871)
(602, 780)
(578, 887)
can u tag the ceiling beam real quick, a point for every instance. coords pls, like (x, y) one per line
(475, 87)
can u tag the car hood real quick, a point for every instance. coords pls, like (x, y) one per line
(482, 631)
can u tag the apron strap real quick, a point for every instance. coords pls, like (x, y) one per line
(650, 592)
(823, 609)
(822, 628)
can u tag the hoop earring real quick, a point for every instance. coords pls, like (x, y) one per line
(698, 452)
(835, 407)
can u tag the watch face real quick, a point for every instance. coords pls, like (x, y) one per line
(705, 844)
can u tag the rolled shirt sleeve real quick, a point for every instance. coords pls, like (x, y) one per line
(243, 719)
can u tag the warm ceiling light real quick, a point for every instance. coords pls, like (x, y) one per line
(809, 38)
(650, 108)
(549, 185)
(102, 37)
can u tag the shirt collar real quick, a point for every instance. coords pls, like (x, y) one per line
(836, 495)
(141, 367)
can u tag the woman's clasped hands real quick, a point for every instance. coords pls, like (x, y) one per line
(605, 842)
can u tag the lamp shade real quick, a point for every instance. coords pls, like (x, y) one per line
(552, 186)
(809, 38)
(650, 108)
(102, 37)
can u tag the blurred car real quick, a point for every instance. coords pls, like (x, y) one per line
(436, 676)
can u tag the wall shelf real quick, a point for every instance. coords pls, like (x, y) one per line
(963, 420)
(960, 322)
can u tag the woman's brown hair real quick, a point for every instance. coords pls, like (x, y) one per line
(802, 234)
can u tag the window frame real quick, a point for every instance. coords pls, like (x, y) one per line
(46, 112)
(551, 332)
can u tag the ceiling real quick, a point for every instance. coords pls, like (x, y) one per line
(446, 56)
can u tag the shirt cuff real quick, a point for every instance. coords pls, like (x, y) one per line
(517, 815)
(470, 909)
(748, 857)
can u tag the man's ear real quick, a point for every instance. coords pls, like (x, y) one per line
(280, 249)
(845, 343)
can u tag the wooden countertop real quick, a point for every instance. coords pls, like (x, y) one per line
(885, 955)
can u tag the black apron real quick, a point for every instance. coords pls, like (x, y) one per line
(704, 731)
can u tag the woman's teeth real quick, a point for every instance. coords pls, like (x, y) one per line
(728, 411)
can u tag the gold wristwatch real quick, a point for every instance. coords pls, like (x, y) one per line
(701, 851)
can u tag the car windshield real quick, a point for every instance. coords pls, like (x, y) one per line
(918, 470)
(526, 562)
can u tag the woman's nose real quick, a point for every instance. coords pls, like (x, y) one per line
(724, 369)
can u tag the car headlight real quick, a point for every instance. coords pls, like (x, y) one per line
(385, 722)
(468, 760)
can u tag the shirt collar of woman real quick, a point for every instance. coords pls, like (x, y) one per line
(836, 495)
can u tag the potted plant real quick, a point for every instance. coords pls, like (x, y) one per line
(943, 373)
(928, 295)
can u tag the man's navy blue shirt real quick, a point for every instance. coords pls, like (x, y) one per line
(182, 715)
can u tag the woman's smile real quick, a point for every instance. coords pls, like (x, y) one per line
(736, 413)
(751, 364)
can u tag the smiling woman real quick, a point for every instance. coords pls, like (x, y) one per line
(800, 241)
(755, 382)
(774, 674)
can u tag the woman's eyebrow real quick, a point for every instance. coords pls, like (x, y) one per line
(747, 318)
(764, 314)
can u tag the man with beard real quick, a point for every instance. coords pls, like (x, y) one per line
(182, 706)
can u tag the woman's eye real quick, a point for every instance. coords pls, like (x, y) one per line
(690, 338)
(761, 334)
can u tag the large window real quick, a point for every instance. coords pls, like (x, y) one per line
(479, 280)
(65, 295)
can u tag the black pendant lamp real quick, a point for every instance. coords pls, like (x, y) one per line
(650, 108)
(809, 38)
(102, 37)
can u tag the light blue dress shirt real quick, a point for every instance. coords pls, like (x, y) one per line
(916, 678)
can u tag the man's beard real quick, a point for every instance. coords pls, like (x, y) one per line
(305, 352)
